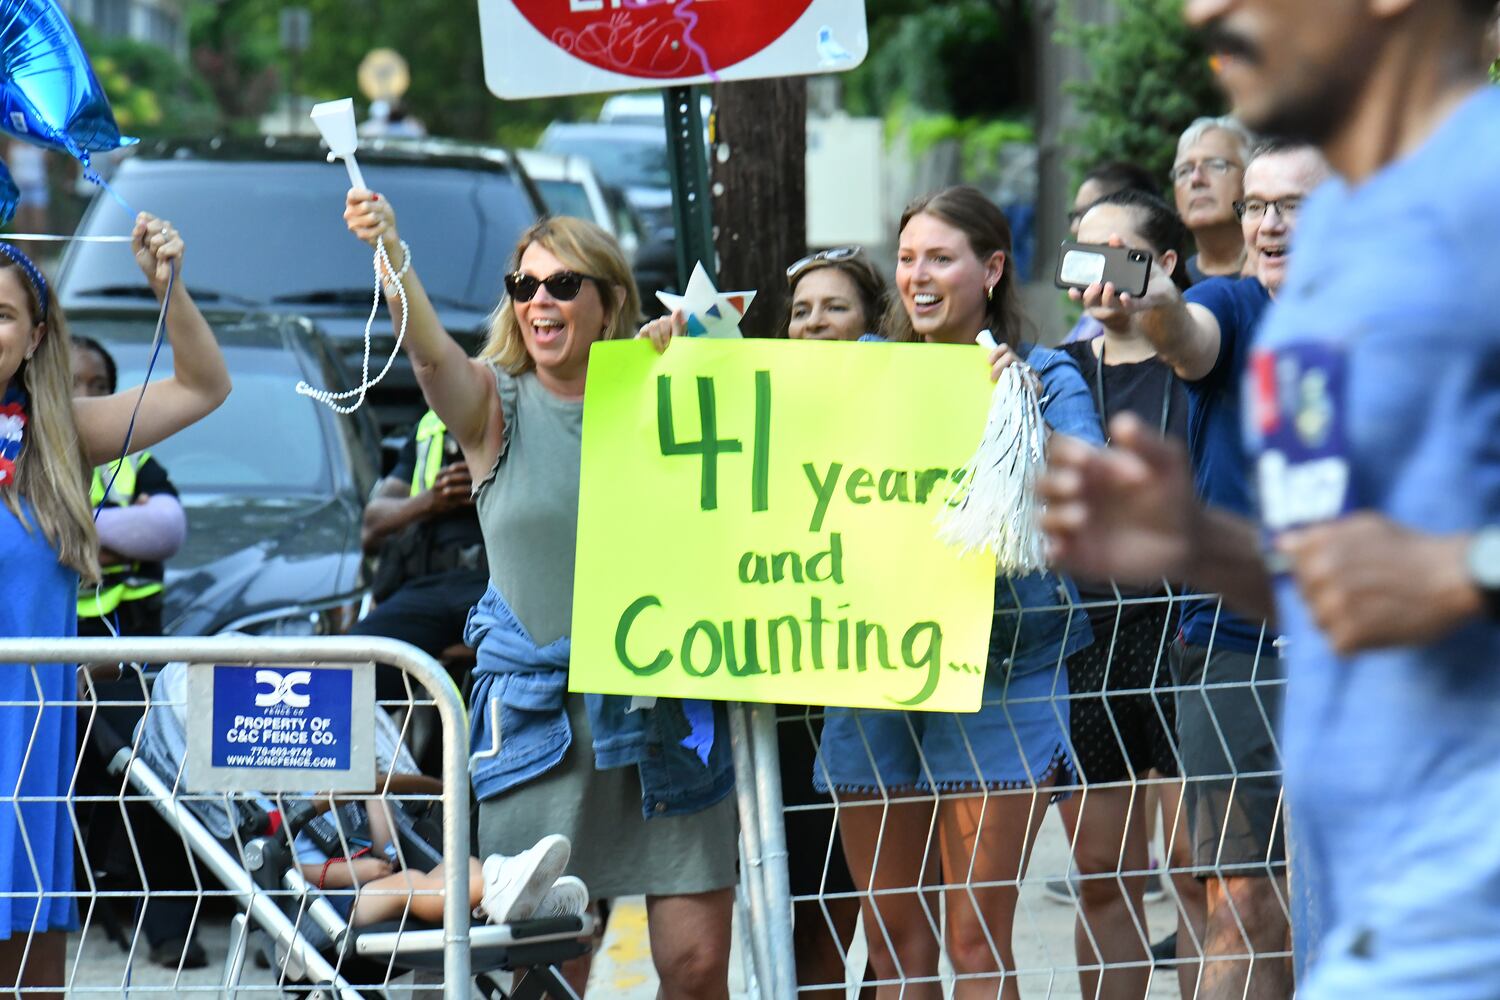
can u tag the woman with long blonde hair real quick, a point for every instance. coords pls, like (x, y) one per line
(644, 814)
(49, 442)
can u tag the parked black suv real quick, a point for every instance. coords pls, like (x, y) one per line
(264, 231)
(274, 485)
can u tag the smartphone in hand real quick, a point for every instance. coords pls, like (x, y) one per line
(1080, 265)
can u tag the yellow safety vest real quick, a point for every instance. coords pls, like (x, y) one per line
(124, 582)
(431, 432)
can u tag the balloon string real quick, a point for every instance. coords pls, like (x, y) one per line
(93, 175)
(156, 342)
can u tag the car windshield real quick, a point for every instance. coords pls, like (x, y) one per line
(265, 439)
(566, 198)
(626, 162)
(263, 231)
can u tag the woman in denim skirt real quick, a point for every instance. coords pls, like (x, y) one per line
(930, 799)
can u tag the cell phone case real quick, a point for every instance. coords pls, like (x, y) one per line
(1081, 264)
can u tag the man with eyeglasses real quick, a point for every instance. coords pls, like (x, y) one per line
(1375, 387)
(1227, 667)
(1207, 180)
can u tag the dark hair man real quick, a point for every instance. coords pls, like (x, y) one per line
(1374, 405)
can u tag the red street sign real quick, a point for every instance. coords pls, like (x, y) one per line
(535, 48)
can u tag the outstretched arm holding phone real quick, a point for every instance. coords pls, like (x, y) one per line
(1186, 336)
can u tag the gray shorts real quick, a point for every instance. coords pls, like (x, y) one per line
(1227, 706)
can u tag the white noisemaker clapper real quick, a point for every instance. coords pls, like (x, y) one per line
(335, 120)
(994, 504)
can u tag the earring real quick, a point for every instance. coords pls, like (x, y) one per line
(989, 293)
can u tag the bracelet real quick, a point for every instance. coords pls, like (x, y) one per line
(323, 875)
(405, 265)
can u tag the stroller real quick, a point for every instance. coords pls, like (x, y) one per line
(247, 842)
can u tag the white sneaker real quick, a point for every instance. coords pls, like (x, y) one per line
(514, 886)
(568, 897)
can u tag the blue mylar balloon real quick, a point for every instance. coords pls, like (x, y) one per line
(10, 196)
(48, 92)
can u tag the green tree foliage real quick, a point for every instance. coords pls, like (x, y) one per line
(966, 58)
(1150, 78)
(149, 95)
(236, 44)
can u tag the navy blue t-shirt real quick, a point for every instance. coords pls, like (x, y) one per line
(1216, 443)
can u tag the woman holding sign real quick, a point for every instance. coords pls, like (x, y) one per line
(980, 781)
(836, 295)
(48, 443)
(646, 815)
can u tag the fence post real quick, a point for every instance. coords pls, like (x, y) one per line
(751, 877)
(232, 650)
(773, 845)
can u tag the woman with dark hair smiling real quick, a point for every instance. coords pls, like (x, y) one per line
(981, 781)
(1119, 739)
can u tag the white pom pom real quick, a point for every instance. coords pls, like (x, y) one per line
(994, 505)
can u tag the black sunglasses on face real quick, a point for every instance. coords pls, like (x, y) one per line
(562, 286)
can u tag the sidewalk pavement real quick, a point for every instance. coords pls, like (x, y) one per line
(622, 970)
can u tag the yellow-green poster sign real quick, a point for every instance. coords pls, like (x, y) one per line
(755, 523)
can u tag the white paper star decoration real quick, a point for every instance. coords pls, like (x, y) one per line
(708, 311)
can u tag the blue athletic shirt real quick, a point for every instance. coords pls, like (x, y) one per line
(1376, 385)
(1217, 449)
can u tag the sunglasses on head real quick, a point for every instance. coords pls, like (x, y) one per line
(831, 256)
(562, 286)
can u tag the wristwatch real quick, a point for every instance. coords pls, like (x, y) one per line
(1484, 568)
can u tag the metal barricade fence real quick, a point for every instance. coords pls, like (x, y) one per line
(240, 854)
(929, 882)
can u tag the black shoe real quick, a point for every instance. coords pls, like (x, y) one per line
(170, 952)
(1164, 952)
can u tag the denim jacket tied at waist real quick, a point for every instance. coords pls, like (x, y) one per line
(519, 727)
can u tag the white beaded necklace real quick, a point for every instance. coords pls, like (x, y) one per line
(333, 399)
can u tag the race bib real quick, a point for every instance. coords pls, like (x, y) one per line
(1298, 414)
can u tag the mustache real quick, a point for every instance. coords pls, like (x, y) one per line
(1220, 39)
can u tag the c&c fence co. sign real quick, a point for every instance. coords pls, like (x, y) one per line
(281, 728)
(755, 523)
(539, 48)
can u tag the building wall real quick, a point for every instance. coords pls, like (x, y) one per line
(157, 22)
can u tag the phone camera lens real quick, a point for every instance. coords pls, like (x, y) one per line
(1137, 256)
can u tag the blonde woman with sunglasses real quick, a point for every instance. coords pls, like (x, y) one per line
(645, 815)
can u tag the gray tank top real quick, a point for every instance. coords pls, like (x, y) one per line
(528, 505)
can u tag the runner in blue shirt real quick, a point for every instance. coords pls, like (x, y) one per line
(1374, 409)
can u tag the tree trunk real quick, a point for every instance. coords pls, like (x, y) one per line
(759, 180)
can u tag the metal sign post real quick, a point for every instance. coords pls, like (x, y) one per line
(692, 208)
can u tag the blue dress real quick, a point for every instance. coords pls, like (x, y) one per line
(38, 597)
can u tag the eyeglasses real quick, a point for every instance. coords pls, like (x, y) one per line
(831, 256)
(1216, 165)
(1255, 209)
(562, 286)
